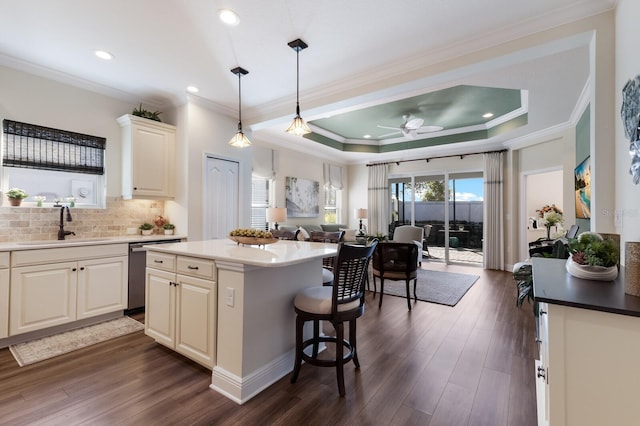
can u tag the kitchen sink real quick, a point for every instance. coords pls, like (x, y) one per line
(71, 240)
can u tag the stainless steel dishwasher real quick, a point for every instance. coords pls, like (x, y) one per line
(137, 265)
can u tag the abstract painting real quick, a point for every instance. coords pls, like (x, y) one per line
(302, 197)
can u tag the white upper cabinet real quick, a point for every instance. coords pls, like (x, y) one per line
(148, 155)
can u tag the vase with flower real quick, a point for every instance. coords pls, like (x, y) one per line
(551, 215)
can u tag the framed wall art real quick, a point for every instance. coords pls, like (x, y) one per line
(302, 196)
(582, 179)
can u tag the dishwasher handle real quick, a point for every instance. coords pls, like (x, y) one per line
(137, 248)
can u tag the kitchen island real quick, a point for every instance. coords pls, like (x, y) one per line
(245, 295)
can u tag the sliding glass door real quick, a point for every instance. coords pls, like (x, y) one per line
(466, 207)
(450, 212)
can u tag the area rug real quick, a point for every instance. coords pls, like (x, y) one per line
(445, 288)
(51, 346)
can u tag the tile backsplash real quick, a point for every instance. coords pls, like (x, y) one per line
(42, 223)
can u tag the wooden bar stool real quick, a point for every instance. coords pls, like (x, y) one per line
(342, 302)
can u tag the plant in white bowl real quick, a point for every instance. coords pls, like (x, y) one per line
(593, 257)
(146, 229)
(169, 228)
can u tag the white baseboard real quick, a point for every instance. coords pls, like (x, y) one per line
(242, 389)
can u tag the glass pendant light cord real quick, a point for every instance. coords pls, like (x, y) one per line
(239, 101)
(298, 82)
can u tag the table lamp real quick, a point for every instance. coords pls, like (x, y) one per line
(361, 214)
(276, 214)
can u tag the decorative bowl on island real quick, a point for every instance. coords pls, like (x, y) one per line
(253, 237)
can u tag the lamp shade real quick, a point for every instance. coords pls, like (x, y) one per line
(239, 140)
(276, 214)
(361, 213)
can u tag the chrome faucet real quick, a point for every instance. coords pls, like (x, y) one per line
(61, 232)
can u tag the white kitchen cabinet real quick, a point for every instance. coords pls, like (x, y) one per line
(42, 296)
(148, 158)
(102, 286)
(4, 294)
(591, 371)
(181, 297)
(49, 287)
(589, 345)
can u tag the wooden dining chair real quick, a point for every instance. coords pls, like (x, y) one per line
(395, 261)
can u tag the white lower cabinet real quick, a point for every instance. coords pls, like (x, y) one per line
(102, 286)
(50, 291)
(180, 310)
(42, 296)
(588, 373)
(4, 295)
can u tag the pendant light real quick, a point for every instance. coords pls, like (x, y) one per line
(239, 140)
(298, 126)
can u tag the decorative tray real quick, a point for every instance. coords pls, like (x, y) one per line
(253, 241)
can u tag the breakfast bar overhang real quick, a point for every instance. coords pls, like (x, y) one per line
(255, 323)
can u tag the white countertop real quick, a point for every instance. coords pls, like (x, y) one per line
(72, 241)
(281, 253)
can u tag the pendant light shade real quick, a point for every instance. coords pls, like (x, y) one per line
(298, 126)
(239, 140)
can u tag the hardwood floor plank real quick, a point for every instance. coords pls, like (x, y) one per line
(454, 408)
(522, 393)
(433, 380)
(491, 404)
(469, 366)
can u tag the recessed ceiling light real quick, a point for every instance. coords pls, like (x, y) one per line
(487, 115)
(367, 136)
(229, 17)
(103, 54)
(192, 89)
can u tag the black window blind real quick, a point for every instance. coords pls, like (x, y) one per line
(36, 147)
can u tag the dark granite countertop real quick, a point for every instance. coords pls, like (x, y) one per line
(553, 284)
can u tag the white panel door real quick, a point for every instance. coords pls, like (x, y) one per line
(222, 184)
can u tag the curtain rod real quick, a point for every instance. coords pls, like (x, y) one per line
(427, 159)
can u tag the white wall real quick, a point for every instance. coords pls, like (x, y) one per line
(292, 163)
(36, 100)
(208, 132)
(627, 65)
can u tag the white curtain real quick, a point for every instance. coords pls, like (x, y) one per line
(378, 199)
(493, 211)
(333, 176)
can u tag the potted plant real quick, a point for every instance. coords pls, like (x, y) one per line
(16, 195)
(169, 228)
(141, 112)
(593, 257)
(146, 228)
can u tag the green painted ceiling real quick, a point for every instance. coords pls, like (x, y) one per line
(459, 110)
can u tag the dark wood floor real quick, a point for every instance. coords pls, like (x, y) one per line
(436, 365)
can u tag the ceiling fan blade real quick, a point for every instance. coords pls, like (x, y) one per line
(428, 129)
(414, 123)
(387, 134)
(388, 127)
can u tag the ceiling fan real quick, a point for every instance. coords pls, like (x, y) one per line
(411, 127)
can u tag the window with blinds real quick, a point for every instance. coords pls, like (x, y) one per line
(330, 204)
(36, 147)
(260, 190)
